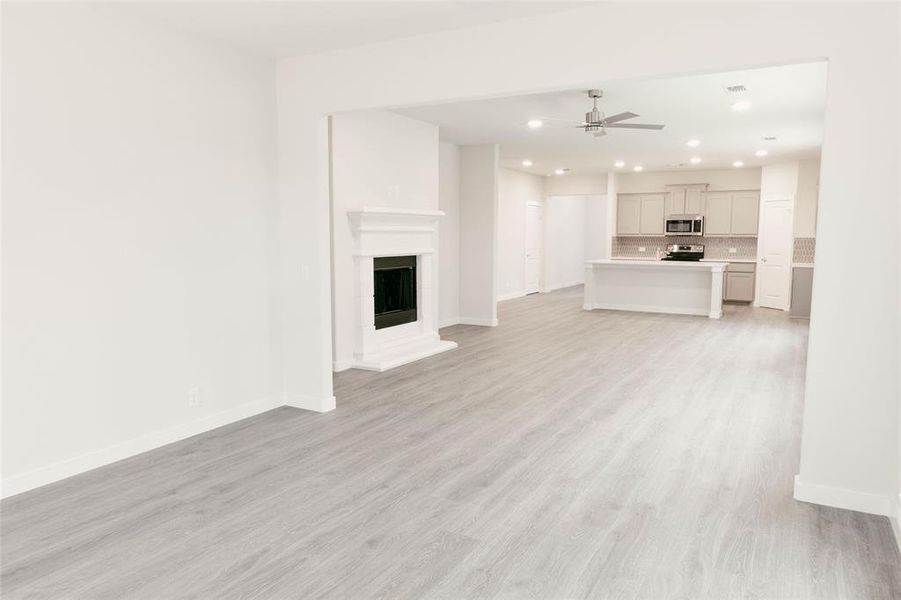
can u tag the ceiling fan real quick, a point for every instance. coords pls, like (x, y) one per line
(597, 124)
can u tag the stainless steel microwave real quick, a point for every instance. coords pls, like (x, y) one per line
(685, 225)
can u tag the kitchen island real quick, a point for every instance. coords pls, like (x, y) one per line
(676, 287)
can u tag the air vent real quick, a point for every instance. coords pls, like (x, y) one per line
(769, 138)
(735, 89)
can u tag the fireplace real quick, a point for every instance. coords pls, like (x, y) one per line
(394, 290)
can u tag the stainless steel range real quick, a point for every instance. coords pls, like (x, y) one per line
(684, 252)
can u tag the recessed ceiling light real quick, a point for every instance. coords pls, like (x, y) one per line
(738, 163)
(637, 168)
(560, 171)
(694, 160)
(741, 105)
(535, 124)
(693, 143)
(619, 164)
(527, 163)
(761, 153)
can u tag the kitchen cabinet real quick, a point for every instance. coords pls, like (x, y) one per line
(718, 213)
(745, 208)
(802, 289)
(685, 199)
(652, 214)
(640, 214)
(738, 285)
(731, 213)
(628, 214)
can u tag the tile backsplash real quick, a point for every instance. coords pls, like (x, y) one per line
(805, 249)
(714, 247)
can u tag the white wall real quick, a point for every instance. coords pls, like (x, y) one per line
(565, 231)
(597, 227)
(747, 178)
(449, 234)
(573, 183)
(138, 188)
(850, 441)
(779, 181)
(807, 198)
(478, 234)
(515, 190)
(379, 158)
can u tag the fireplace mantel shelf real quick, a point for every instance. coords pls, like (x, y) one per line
(406, 212)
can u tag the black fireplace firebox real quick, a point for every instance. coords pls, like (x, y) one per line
(394, 282)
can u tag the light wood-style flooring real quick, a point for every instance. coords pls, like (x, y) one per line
(563, 454)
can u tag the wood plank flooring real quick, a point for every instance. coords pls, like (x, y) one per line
(563, 454)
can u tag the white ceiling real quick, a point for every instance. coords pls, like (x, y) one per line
(282, 28)
(787, 102)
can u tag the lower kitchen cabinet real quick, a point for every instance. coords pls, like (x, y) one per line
(738, 284)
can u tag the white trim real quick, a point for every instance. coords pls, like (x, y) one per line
(450, 321)
(511, 295)
(340, 365)
(896, 520)
(560, 286)
(56, 471)
(478, 321)
(674, 310)
(866, 502)
(310, 403)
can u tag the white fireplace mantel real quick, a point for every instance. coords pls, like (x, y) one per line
(382, 231)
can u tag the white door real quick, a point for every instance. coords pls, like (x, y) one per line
(774, 255)
(533, 248)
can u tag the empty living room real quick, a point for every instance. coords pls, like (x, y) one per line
(440, 299)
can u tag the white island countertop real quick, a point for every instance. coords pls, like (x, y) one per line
(650, 262)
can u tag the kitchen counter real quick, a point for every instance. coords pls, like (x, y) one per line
(731, 260)
(660, 286)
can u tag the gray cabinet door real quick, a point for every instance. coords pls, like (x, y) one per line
(740, 287)
(652, 214)
(628, 214)
(718, 216)
(745, 208)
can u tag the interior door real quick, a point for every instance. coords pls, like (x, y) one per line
(534, 227)
(774, 272)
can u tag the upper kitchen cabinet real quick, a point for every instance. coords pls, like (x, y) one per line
(640, 214)
(731, 213)
(685, 199)
(745, 208)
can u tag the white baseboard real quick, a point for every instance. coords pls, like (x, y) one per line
(23, 482)
(560, 286)
(866, 502)
(511, 295)
(341, 365)
(448, 322)
(673, 310)
(310, 402)
(896, 520)
(478, 321)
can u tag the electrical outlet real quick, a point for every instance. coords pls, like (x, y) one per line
(194, 397)
(733, 250)
(641, 248)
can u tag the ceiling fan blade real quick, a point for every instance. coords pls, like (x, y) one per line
(635, 126)
(620, 117)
